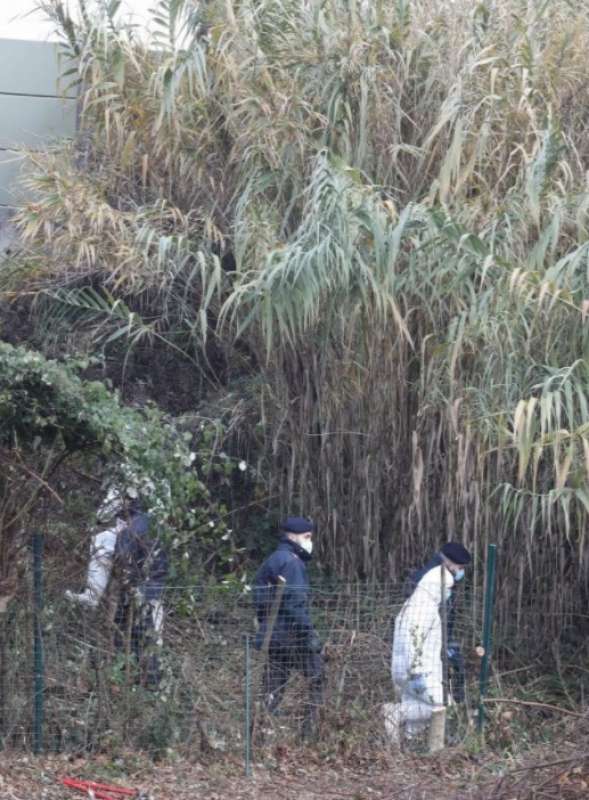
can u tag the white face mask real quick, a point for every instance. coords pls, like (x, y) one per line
(307, 545)
(459, 575)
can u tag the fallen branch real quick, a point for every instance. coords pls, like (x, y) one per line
(562, 761)
(534, 704)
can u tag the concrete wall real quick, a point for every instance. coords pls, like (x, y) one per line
(34, 108)
(7, 233)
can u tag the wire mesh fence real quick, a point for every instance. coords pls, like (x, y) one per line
(104, 681)
(100, 688)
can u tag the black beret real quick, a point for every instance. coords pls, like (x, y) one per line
(456, 553)
(297, 525)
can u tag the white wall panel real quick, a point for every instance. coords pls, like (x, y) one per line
(35, 121)
(32, 113)
(11, 169)
(32, 68)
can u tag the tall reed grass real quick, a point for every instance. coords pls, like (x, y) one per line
(378, 213)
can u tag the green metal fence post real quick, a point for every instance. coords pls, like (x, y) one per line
(487, 631)
(444, 615)
(38, 698)
(248, 708)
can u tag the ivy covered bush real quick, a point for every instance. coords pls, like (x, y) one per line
(49, 414)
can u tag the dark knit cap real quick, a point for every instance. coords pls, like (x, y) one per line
(456, 553)
(296, 525)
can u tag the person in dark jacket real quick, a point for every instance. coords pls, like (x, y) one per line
(141, 565)
(130, 549)
(455, 557)
(293, 643)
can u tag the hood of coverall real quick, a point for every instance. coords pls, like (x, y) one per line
(111, 506)
(117, 503)
(429, 588)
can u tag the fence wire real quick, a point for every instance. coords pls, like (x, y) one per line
(98, 695)
(97, 692)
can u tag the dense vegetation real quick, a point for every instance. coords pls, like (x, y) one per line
(362, 229)
(53, 424)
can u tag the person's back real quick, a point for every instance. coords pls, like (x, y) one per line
(417, 574)
(292, 623)
(141, 563)
(141, 557)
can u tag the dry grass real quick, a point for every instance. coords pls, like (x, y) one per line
(402, 187)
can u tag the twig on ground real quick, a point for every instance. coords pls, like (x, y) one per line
(535, 704)
(559, 763)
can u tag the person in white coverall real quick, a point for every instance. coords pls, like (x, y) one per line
(102, 551)
(416, 663)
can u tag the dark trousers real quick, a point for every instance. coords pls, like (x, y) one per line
(135, 628)
(281, 662)
(456, 674)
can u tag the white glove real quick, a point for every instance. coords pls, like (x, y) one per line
(84, 598)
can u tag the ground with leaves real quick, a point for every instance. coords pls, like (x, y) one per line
(556, 770)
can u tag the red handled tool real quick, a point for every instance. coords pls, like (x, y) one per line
(101, 791)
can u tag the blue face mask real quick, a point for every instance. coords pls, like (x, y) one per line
(459, 575)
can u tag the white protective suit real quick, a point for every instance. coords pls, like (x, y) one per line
(417, 651)
(102, 553)
(99, 567)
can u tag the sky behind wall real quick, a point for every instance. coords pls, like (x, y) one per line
(19, 20)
